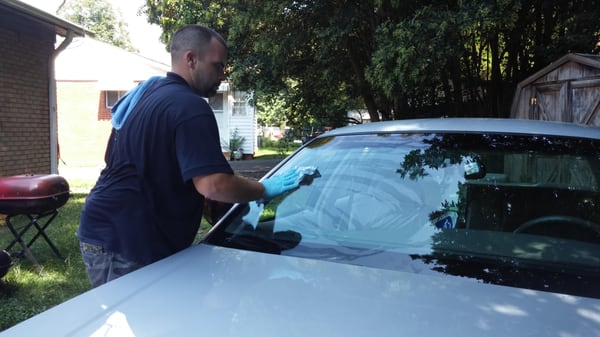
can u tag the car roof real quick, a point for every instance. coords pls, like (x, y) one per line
(476, 125)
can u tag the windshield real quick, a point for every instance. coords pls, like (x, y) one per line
(504, 209)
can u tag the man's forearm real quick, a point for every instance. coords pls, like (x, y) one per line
(228, 188)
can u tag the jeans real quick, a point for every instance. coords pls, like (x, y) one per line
(103, 266)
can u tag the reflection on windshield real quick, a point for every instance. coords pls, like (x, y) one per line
(464, 204)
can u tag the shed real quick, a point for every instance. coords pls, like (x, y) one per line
(567, 90)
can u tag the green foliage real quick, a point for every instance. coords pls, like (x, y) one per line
(311, 61)
(173, 14)
(274, 150)
(236, 141)
(290, 51)
(284, 146)
(100, 17)
(271, 110)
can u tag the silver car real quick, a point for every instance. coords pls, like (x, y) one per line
(441, 227)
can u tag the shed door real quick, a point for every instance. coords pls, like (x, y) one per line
(585, 101)
(550, 102)
(576, 101)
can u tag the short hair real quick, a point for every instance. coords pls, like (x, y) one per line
(193, 37)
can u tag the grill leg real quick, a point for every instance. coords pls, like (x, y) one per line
(41, 230)
(18, 236)
(19, 239)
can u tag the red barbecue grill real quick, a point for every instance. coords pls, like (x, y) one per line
(36, 197)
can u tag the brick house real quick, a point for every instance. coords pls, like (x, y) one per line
(28, 137)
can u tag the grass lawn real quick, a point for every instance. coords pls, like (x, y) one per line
(276, 150)
(25, 292)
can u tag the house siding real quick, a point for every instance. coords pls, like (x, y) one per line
(246, 126)
(24, 102)
(83, 118)
(83, 128)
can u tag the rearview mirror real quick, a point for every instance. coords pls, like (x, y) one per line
(474, 169)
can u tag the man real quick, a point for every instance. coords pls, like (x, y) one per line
(163, 159)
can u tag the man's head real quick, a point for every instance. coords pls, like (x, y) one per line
(199, 55)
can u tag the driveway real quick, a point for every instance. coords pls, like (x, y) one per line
(253, 168)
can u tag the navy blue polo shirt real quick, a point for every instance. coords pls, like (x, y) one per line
(144, 204)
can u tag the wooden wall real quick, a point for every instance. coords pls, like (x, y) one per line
(567, 91)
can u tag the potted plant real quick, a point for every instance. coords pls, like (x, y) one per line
(235, 145)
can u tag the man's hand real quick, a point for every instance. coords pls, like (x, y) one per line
(280, 184)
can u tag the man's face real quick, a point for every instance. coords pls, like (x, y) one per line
(210, 69)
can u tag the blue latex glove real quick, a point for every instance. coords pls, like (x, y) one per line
(280, 184)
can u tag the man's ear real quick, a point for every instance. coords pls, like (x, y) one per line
(190, 59)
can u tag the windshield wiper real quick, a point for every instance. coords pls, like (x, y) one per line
(274, 244)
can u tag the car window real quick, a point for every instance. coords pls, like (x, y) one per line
(481, 206)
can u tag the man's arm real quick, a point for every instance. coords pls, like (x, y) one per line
(228, 188)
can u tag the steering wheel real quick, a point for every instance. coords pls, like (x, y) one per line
(550, 219)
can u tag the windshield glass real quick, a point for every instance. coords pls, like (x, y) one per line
(504, 209)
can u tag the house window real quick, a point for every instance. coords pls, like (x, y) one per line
(239, 103)
(216, 103)
(112, 96)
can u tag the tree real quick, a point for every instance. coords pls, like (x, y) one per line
(466, 57)
(270, 109)
(101, 18)
(300, 50)
(396, 58)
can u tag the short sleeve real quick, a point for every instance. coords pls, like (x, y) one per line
(198, 147)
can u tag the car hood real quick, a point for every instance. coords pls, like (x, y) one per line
(215, 291)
